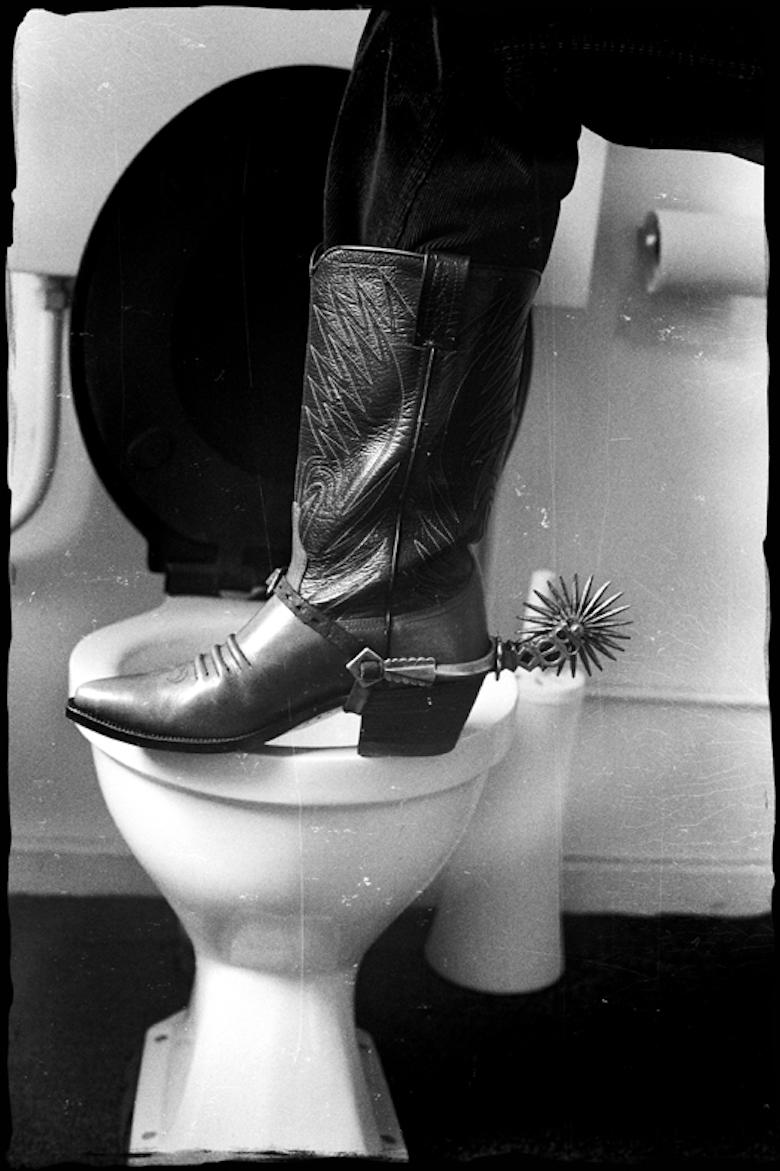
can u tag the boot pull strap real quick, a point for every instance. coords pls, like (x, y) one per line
(441, 300)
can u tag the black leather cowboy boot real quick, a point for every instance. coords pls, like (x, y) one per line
(410, 401)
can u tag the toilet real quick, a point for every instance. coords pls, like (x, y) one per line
(284, 864)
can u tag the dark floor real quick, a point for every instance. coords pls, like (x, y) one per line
(656, 1046)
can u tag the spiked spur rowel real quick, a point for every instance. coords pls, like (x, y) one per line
(578, 623)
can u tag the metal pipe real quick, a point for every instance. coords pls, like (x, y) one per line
(28, 499)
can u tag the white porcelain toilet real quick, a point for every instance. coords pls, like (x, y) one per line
(283, 866)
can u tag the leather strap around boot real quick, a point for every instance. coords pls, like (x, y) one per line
(278, 585)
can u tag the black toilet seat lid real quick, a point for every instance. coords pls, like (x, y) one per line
(189, 325)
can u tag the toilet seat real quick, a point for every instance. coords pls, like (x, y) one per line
(189, 324)
(177, 628)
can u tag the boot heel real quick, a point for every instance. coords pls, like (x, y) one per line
(416, 721)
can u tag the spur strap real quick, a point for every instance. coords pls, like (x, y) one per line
(278, 585)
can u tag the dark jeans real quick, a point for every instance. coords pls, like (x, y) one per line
(459, 132)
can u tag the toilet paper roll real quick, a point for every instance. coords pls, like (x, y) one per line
(688, 250)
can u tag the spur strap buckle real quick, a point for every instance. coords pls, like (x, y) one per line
(369, 668)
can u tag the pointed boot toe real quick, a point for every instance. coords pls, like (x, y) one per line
(274, 674)
(129, 708)
(103, 705)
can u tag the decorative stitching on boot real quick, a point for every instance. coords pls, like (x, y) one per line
(413, 368)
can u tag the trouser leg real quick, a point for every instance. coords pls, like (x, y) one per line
(432, 153)
(459, 132)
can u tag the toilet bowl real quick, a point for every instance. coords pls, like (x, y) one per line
(283, 865)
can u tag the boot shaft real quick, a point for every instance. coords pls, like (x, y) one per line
(411, 395)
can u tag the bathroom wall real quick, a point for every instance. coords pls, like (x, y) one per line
(92, 87)
(642, 458)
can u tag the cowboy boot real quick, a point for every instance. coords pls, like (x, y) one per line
(410, 401)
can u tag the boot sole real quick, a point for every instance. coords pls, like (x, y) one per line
(213, 744)
(396, 721)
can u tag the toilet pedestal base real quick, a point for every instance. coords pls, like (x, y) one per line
(269, 1104)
